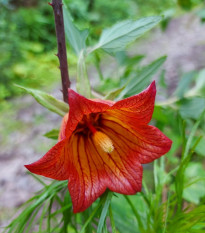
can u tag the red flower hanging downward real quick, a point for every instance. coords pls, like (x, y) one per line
(102, 144)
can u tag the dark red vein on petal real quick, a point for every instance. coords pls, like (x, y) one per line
(134, 135)
(96, 171)
(145, 151)
(123, 160)
(93, 161)
(80, 170)
(90, 175)
(104, 164)
(121, 181)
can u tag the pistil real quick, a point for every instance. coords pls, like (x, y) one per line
(101, 139)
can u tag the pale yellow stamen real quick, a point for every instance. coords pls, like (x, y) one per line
(103, 141)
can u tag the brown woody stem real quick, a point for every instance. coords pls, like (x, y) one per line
(62, 56)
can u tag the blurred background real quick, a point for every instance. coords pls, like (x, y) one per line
(27, 48)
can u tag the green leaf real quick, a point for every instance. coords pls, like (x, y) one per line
(112, 221)
(75, 37)
(136, 213)
(185, 4)
(83, 83)
(53, 134)
(186, 157)
(162, 81)
(191, 221)
(48, 101)
(142, 79)
(191, 135)
(196, 190)
(113, 94)
(160, 114)
(199, 88)
(125, 219)
(123, 59)
(104, 211)
(200, 149)
(192, 108)
(185, 83)
(92, 215)
(118, 36)
(20, 223)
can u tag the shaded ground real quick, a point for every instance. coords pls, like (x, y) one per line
(21, 128)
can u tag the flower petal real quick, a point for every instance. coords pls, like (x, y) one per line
(93, 171)
(146, 142)
(79, 106)
(54, 164)
(138, 108)
(86, 175)
(123, 177)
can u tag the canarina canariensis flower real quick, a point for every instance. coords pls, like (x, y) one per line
(102, 145)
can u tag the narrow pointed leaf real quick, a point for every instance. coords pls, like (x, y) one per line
(48, 101)
(53, 134)
(113, 94)
(142, 78)
(121, 34)
(75, 37)
(83, 83)
(184, 84)
(112, 221)
(199, 88)
(104, 211)
(92, 215)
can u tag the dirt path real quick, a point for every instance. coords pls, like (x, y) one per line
(21, 139)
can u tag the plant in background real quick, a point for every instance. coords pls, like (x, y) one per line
(102, 144)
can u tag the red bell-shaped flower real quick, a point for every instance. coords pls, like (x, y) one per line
(102, 144)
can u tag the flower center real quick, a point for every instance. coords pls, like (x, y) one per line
(101, 139)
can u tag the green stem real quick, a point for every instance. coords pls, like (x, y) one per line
(112, 221)
(190, 138)
(97, 65)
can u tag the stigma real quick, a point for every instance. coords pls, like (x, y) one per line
(103, 141)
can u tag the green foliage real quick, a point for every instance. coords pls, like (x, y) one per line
(28, 40)
(25, 42)
(48, 101)
(185, 4)
(118, 36)
(188, 4)
(53, 134)
(75, 37)
(194, 183)
(104, 212)
(49, 194)
(139, 80)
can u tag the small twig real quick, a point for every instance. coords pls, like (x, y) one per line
(62, 56)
